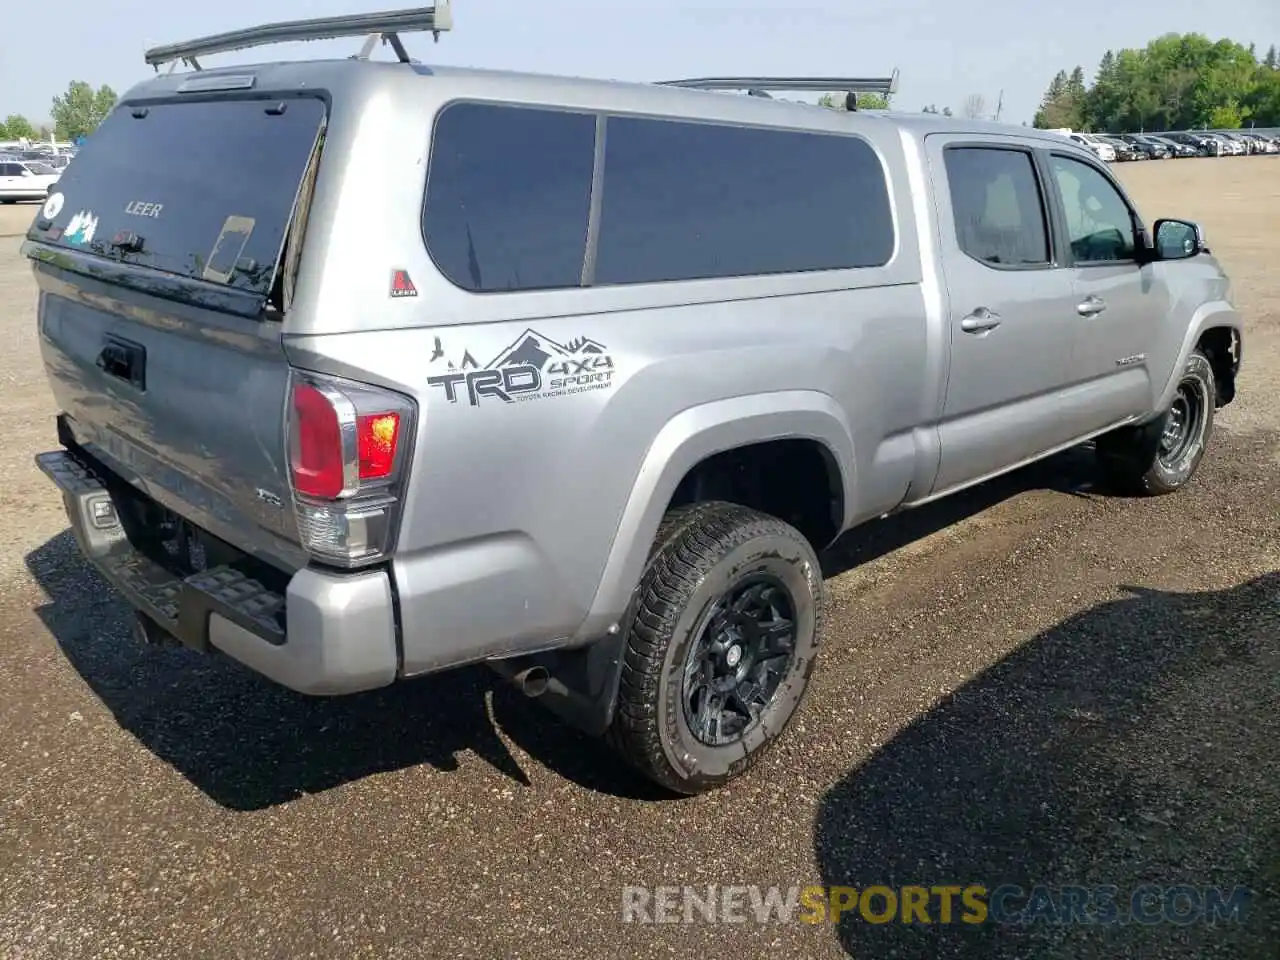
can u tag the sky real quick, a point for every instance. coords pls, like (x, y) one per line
(945, 50)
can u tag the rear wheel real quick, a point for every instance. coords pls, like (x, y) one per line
(721, 647)
(1161, 456)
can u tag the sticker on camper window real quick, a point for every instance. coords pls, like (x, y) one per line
(81, 228)
(225, 255)
(52, 206)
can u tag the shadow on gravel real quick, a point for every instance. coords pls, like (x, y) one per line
(248, 743)
(1135, 743)
(1071, 472)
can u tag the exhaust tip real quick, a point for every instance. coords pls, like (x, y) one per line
(533, 681)
(147, 631)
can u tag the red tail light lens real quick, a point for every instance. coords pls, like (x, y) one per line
(347, 469)
(377, 434)
(316, 455)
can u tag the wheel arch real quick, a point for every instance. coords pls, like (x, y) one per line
(1213, 326)
(696, 436)
(1222, 345)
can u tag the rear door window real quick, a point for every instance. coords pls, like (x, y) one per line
(997, 205)
(201, 189)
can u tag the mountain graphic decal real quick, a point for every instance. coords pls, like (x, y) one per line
(533, 349)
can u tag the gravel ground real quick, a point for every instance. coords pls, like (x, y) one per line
(1033, 683)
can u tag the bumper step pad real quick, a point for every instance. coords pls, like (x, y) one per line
(180, 605)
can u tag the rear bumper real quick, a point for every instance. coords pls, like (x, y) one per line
(328, 634)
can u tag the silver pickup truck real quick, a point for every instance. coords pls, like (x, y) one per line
(368, 370)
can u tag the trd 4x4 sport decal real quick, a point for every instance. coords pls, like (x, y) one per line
(531, 368)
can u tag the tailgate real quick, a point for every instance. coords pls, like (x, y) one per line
(159, 262)
(185, 408)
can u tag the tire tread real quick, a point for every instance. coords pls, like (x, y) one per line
(1127, 457)
(689, 542)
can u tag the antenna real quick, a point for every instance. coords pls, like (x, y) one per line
(385, 26)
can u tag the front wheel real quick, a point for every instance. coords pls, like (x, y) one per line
(1161, 457)
(721, 646)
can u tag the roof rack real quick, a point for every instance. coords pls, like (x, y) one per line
(385, 26)
(760, 86)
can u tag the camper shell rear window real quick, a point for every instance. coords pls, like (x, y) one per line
(200, 189)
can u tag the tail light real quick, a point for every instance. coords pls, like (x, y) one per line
(348, 457)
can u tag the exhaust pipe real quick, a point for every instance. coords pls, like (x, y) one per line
(532, 681)
(146, 630)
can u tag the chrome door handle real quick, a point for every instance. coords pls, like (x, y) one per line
(980, 320)
(1090, 307)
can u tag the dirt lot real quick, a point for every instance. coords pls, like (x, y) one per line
(1037, 684)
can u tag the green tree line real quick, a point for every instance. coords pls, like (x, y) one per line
(1176, 82)
(75, 113)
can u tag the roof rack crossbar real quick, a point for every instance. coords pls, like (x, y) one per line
(386, 25)
(885, 85)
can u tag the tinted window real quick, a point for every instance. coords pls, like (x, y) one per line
(1098, 221)
(686, 200)
(998, 208)
(8, 169)
(508, 196)
(177, 175)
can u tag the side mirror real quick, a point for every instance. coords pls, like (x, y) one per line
(1178, 240)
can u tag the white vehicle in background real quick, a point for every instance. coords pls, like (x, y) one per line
(1103, 150)
(1230, 145)
(26, 180)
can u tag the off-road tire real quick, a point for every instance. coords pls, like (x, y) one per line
(1135, 460)
(702, 552)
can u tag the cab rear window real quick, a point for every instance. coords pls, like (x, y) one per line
(202, 189)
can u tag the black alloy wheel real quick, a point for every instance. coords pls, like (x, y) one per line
(743, 651)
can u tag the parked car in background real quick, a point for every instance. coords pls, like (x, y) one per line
(1204, 146)
(1150, 147)
(1239, 145)
(1101, 149)
(1125, 151)
(1256, 144)
(1176, 149)
(1261, 143)
(25, 180)
(1230, 146)
(57, 160)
